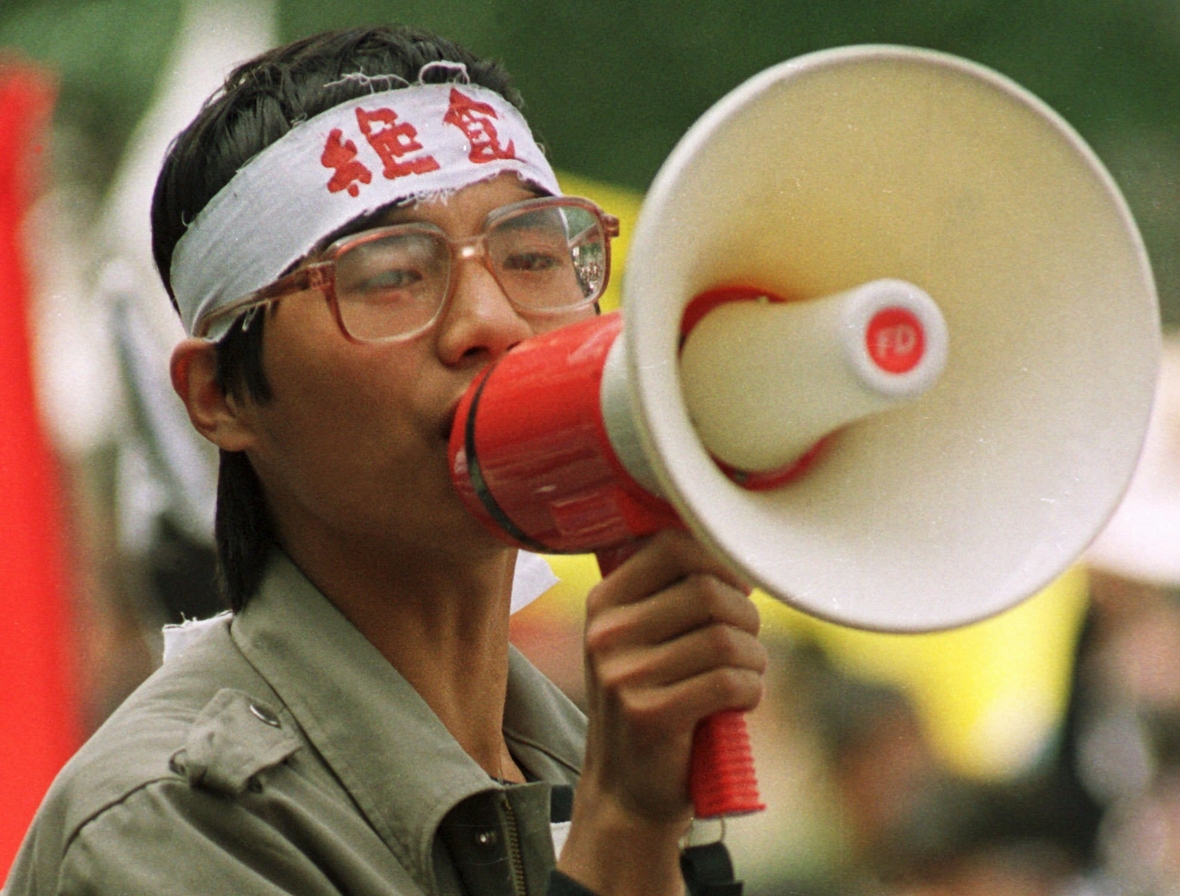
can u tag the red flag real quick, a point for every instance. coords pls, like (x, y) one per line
(38, 711)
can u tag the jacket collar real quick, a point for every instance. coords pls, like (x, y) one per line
(387, 747)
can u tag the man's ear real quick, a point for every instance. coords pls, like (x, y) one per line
(215, 414)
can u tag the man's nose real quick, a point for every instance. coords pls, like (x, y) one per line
(479, 323)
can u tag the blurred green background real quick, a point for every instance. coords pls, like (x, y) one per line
(611, 85)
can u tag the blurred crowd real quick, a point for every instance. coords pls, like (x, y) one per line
(860, 801)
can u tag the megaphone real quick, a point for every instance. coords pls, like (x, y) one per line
(890, 171)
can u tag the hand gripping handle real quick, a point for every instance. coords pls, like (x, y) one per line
(722, 778)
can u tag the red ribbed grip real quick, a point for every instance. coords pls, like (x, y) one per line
(723, 781)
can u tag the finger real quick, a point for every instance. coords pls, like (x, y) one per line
(694, 654)
(692, 603)
(666, 558)
(678, 707)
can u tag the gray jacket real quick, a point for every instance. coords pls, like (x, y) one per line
(280, 753)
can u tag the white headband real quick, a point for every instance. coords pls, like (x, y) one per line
(356, 158)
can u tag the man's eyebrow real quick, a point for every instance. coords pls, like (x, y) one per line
(397, 213)
(390, 214)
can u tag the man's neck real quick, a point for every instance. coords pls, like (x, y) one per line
(444, 627)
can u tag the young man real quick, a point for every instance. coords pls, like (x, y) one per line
(351, 230)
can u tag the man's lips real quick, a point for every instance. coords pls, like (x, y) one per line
(448, 422)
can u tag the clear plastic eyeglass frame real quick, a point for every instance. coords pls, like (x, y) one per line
(319, 274)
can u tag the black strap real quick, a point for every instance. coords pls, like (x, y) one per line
(708, 871)
(560, 885)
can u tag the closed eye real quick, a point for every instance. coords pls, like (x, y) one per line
(386, 280)
(534, 261)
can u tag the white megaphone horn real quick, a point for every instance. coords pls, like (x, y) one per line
(890, 344)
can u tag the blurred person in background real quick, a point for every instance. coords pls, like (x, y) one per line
(912, 825)
(1128, 694)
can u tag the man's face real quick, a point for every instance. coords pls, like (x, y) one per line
(352, 448)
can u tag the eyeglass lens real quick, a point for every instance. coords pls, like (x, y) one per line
(546, 260)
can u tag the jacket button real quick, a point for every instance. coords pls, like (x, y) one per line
(265, 715)
(486, 838)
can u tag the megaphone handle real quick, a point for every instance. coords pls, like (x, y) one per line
(722, 778)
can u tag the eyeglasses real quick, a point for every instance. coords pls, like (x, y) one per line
(550, 256)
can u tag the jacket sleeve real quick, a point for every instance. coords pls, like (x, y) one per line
(169, 839)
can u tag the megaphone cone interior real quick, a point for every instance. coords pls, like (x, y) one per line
(849, 166)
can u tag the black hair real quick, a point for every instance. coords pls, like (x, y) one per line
(260, 102)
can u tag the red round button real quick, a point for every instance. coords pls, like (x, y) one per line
(895, 340)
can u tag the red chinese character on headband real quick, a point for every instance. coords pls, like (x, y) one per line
(475, 120)
(393, 139)
(341, 155)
